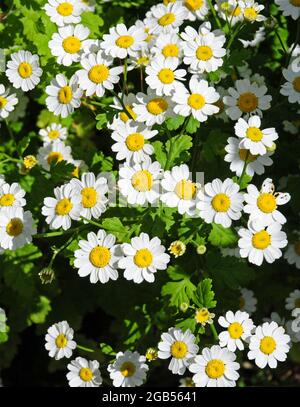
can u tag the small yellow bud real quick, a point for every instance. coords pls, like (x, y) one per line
(177, 248)
(201, 249)
(29, 162)
(151, 354)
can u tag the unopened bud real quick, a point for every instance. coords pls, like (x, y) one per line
(47, 275)
(184, 306)
(177, 248)
(272, 148)
(201, 249)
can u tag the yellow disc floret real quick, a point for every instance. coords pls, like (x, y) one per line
(100, 256)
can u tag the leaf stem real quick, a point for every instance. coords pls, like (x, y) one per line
(215, 14)
(214, 332)
(59, 233)
(84, 348)
(244, 169)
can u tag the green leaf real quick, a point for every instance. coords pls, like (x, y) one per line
(214, 145)
(101, 120)
(93, 22)
(204, 295)
(23, 144)
(189, 323)
(43, 308)
(175, 147)
(107, 349)
(116, 227)
(222, 237)
(192, 126)
(181, 289)
(159, 152)
(173, 123)
(61, 170)
(245, 181)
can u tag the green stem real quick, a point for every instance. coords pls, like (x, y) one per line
(61, 249)
(244, 169)
(239, 28)
(59, 233)
(123, 105)
(92, 222)
(214, 332)
(125, 79)
(215, 14)
(281, 42)
(185, 124)
(84, 348)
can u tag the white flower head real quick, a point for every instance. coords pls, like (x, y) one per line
(128, 370)
(289, 8)
(59, 340)
(11, 195)
(84, 373)
(197, 9)
(166, 18)
(167, 45)
(53, 153)
(53, 132)
(291, 88)
(8, 102)
(129, 101)
(229, 10)
(63, 12)
(293, 300)
(251, 10)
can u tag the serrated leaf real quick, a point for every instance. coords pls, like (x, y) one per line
(222, 237)
(43, 308)
(189, 323)
(101, 120)
(93, 22)
(175, 147)
(244, 182)
(204, 295)
(173, 123)
(159, 152)
(107, 349)
(116, 227)
(192, 126)
(181, 289)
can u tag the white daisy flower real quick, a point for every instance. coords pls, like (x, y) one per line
(259, 36)
(128, 370)
(220, 202)
(16, 228)
(203, 316)
(84, 373)
(60, 211)
(238, 329)
(67, 44)
(7, 102)
(163, 75)
(63, 12)
(291, 88)
(180, 190)
(245, 99)
(53, 153)
(97, 257)
(258, 243)
(167, 46)
(131, 142)
(122, 41)
(180, 347)
(166, 18)
(190, 34)
(268, 345)
(152, 109)
(140, 183)
(289, 8)
(19, 111)
(293, 300)
(253, 138)
(205, 52)
(247, 301)
(237, 156)
(229, 11)
(290, 328)
(91, 192)
(59, 340)
(64, 95)
(292, 254)
(215, 367)
(140, 61)
(98, 74)
(142, 258)
(200, 101)
(251, 10)
(197, 9)
(23, 70)
(53, 132)
(129, 101)
(263, 204)
(11, 195)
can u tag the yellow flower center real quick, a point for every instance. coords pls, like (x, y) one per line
(125, 41)
(266, 202)
(247, 102)
(170, 50)
(215, 368)
(85, 374)
(204, 53)
(221, 202)
(127, 369)
(25, 70)
(61, 341)
(166, 2)
(142, 61)
(185, 189)
(193, 5)
(3, 102)
(157, 106)
(142, 181)
(254, 134)
(179, 350)
(261, 240)
(295, 3)
(177, 248)
(75, 172)
(246, 155)
(135, 141)
(267, 345)
(65, 9)
(54, 157)
(7, 200)
(53, 134)
(235, 330)
(297, 248)
(99, 73)
(100, 256)
(250, 13)
(143, 258)
(88, 197)
(166, 76)
(71, 44)
(63, 207)
(123, 115)
(235, 12)
(196, 101)
(29, 162)
(296, 84)
(65, 95)
(14, 227)
(167, 19)
(202, 315)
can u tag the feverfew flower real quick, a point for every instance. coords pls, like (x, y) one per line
(292, 254)
(200, 101)
(238, 329)
(293, 300)
(258, 243)
(253, 138)
(177, 248)
(11, 195)
(251, 10)
(53, 153)
(66, 45)
(142, 258)
(64, 95)
(197, 9)
(263, 204)
(59, 340)
(128, 370)
(215, 367)
(152, 109)
(247, 301)
(229, 10)
(7, 102)
(97, 257)
(53, 132)
(128, 100)
(166, 18)
(220, 202)
(203, 316)
(167, 45)
(291, 88)
(84, 373)
(180, 347)
(268, 345)
(23, 70)
(289, 8)
(16, 228)
(63, 12)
